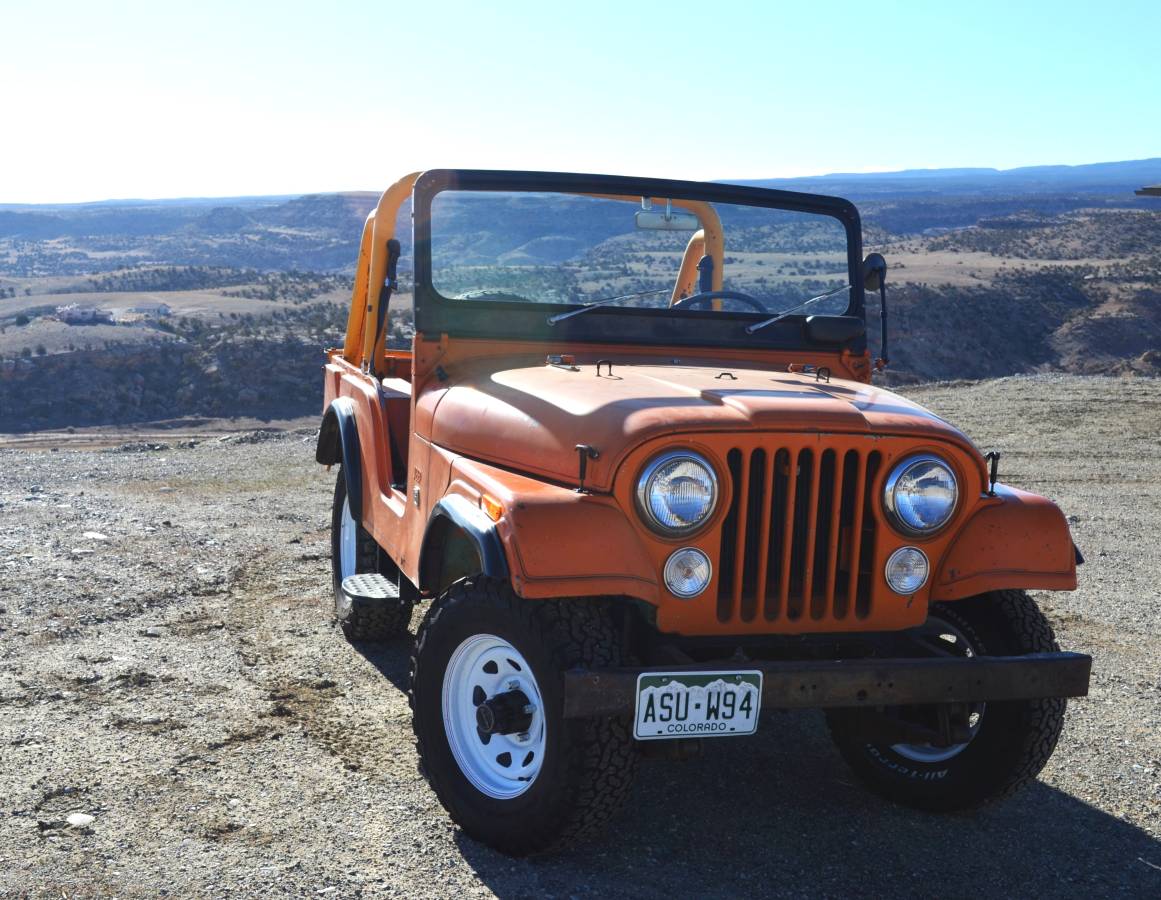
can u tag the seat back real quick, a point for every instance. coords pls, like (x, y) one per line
(395, 398)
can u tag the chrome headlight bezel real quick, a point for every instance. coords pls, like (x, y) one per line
(889, 504)
(645, 483)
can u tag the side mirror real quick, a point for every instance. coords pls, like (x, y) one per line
(874, 271)
(875, 279)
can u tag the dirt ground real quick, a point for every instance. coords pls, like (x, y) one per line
(168, 667)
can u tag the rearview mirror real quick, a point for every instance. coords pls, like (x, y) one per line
(653, 220)
(874, 271)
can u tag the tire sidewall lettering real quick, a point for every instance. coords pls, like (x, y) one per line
(908, 769)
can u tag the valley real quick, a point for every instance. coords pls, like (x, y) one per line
(223, 307)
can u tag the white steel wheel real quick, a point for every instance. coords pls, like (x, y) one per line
(493, 716)
(946, 640)
(348, 541)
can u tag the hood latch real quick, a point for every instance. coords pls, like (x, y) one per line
(585, 452)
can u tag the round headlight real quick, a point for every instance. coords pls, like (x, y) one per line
(687, 572)
(907, 570)
(677, 492)
(920, 494)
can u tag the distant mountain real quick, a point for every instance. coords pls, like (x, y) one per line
(1107, 178)
(166, 217)
(320, 232)
(130, 203)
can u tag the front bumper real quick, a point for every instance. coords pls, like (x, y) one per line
(854, 682)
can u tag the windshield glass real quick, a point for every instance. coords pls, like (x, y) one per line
(557, 248)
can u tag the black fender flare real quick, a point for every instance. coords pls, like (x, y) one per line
(338, 442)
(471, 521)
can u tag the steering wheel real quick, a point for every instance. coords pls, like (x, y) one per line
(705, 296)
(493, 295)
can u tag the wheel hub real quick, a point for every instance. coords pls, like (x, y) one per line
(961, 721)
(493, 716)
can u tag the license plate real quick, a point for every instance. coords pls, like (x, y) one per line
(696, 704)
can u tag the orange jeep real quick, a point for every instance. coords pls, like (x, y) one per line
(634, 459)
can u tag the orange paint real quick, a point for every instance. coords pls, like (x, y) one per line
(489, 420)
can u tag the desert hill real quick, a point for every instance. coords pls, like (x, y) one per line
(992, 273)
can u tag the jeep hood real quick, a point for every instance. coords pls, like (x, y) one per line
(531, 418)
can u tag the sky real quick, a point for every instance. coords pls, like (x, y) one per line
(159, 99)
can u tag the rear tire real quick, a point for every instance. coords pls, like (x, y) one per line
(587, 765)
(353, 551)
(1013, 741)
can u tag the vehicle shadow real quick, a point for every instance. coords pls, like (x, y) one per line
(392, 658)
(780, 815)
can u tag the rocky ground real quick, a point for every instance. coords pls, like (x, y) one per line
(178, 714)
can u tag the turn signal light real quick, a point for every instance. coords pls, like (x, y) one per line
(907, 570)
(492, 507)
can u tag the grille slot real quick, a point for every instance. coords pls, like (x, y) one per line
(798, 539)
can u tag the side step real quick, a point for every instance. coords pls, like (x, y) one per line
(369, 589)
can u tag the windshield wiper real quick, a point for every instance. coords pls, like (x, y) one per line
(560, 317)
(758, 326)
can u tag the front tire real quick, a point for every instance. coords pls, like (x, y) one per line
(546, 781)
(354, 551)
(1010, 741)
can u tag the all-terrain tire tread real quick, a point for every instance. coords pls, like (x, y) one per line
(1045, 716)
(378, 622)
(603, 763)
(1042, 720)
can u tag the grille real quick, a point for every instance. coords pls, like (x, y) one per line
(798, 540)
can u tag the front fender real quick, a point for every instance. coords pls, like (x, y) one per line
(558, 542)
(1015, 540)
(338, 441)
(469, 520)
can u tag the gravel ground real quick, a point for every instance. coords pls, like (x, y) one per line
(168, 668)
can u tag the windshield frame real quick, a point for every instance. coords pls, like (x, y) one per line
(436, 314)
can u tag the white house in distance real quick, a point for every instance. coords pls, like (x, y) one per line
(73, 314)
